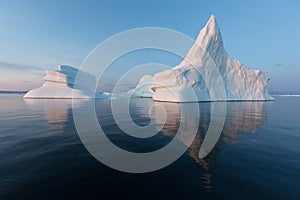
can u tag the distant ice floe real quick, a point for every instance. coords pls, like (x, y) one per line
(287, 95)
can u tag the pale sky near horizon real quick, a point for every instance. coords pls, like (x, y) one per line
(39, 35)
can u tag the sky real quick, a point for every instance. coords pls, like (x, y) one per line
(39, 35)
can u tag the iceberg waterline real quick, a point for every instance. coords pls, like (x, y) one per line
(194, 78)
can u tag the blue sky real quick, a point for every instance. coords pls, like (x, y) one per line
(39, 35)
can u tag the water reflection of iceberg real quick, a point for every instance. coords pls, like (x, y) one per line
(55, 111)
(240, 117)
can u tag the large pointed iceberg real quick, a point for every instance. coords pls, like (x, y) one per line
(61, 84)
(185, 82)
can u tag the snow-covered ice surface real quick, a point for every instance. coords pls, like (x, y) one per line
(61, 84)
(190, 80)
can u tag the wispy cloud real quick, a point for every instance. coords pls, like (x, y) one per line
(4, 64)
(35, 69)
(280, 65)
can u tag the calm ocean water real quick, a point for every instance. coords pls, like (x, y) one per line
(256, 157)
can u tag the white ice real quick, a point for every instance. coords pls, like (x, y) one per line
(61, 84)
(185, 82)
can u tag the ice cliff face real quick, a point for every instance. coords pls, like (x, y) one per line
(61, 84)
(186, 83)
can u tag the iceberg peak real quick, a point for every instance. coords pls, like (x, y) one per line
(210, 34)
(212, 25)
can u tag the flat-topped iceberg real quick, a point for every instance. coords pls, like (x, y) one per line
(185, 82)
(61, 84)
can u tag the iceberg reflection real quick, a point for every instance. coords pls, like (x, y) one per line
(246, 117)
(240, 116)
(57, 112)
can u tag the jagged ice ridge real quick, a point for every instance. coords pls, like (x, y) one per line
(185, 82)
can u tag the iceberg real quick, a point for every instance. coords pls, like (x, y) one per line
(143, 88)
(60, 84)
(185, 82)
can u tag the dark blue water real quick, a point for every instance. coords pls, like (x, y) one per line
(256, 157)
